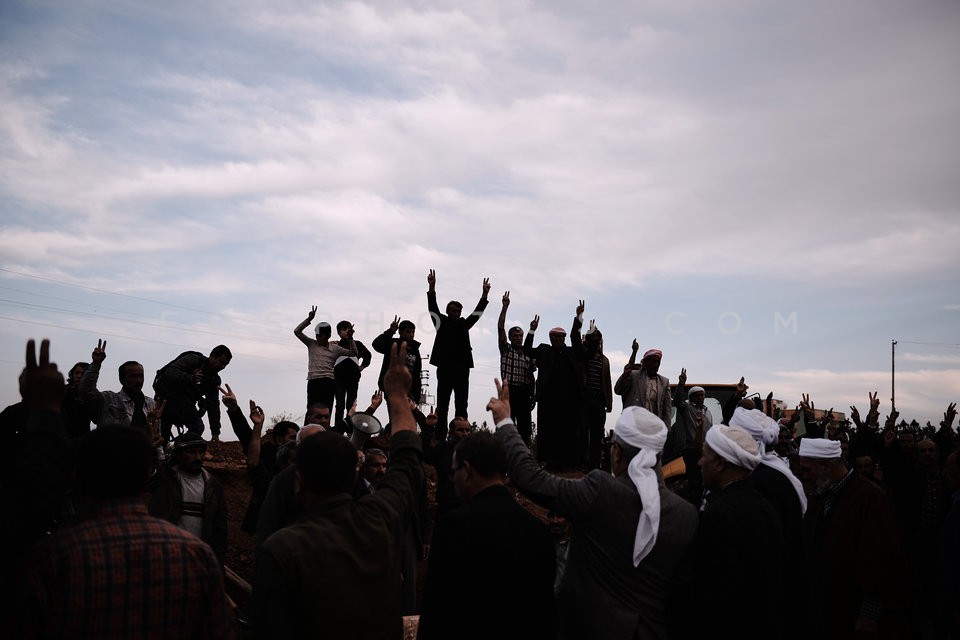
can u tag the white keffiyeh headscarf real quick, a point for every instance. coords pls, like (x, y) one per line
(820, 448)
(734, 445)
(765, 430)
(644, 430)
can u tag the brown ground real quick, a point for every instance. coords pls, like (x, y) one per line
(225, 460)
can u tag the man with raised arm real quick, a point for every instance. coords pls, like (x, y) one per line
(129, 407)
(336, 572)
(382, 344)
(516, 371)
(559, 398)
(630, 567)
(641, 385)
(452, 354)
(321, 357)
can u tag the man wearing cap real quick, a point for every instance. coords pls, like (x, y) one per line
(853, 552)
(184, 493)
(322, 355)
(452, 354)
(641, 385)
(686, 434)
(516, 370)
(559, 396)
(597, 393)
(740, 543)
(632, 539)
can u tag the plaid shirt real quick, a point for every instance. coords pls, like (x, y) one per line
(516, 367)
(123, 574)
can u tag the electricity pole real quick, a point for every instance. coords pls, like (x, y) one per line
(893, 395)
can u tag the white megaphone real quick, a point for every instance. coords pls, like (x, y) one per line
(364, 425)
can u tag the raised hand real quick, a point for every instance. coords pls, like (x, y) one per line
(229, 397)
(874, 401)
(312, 314)
(500, 405)
(256, 414)
(535, 323)
(395, 324)
(486, 287)
(580, 309)
(742, 388)
(505, 299)
(99, 352)
(682, 378)
(432, 279)
(635, 346)
(41, 385)
(153, 422)
(949, 415)
(396, 382)
(376, 399)
(432, 418)
(891, 420)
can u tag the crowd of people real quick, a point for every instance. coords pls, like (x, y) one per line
(114, 529)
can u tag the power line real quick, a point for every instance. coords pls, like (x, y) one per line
(129, 296)
(133, 338)
(933, 344)
(87, 314)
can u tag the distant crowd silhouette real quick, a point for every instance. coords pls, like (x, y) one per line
(795, 526)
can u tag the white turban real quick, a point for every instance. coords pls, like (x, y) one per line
(644, 430)
(759, 425)
(693, 390)
(765, 430)
(819, 448)
(734, 445)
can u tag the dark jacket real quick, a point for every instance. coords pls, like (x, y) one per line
(346, 370)
(335, 573)
(451, 347)
(165, 500)
(381, 344)
(490, 545)
(174, 383)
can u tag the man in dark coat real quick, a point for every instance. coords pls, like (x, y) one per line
(740, 539)
(559, 395)
(855, 561)
(382, 343)
(489, 545)
(629, 563)
(335, 573)
(191, 386)
(452, 354)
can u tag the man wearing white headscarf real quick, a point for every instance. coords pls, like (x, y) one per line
(776, 482)
(686, 435)
(740, 544)
(855, 562)
(631, 539)
(773, 477)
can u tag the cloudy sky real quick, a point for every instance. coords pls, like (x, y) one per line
(760, 189)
